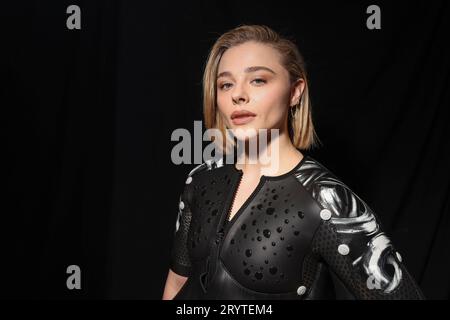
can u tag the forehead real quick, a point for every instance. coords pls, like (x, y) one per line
(237, 58)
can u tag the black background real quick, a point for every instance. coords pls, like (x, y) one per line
(87, 117)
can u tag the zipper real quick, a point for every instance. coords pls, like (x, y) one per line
(226, 221)
(233, 200)
(212, 266)
(221, 231)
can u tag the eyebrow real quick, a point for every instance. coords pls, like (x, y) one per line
(247, 70)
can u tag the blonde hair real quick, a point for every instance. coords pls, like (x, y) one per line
(301, 128)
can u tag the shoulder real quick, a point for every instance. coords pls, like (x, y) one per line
(205, 166)
(187, 195)
(352, 241)
(329, 190)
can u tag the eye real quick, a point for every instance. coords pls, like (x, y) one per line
(225, 86)
(259, 81)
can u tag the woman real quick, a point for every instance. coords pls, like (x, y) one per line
(298, 233)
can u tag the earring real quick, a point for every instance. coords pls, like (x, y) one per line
(293, 111)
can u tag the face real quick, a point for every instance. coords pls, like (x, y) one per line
(251, 78)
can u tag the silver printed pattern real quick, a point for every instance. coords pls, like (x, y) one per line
(352, 216)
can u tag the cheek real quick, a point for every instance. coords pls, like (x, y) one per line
(222, 104)
(273, 118)
(223, 97)
(225, 108)
(272, 103)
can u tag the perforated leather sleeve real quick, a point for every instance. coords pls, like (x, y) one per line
(361, 257)
(179, 261)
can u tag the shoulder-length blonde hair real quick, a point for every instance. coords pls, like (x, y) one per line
(301, 128)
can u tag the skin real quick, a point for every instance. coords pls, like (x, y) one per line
(242, 85)
(174, 283)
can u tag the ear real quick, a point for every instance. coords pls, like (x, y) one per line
(296, 91)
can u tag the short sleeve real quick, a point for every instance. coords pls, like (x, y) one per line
(363, 261)
(179, 260)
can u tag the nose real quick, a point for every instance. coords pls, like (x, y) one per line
(239, 95)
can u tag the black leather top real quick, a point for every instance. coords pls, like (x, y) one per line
(301, 235)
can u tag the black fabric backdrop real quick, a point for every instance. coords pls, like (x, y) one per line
(87, 117)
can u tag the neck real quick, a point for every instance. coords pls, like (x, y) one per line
(278, 156)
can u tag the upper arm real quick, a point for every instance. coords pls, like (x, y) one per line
(360, 255)
(179, 260)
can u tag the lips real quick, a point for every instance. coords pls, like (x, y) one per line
(241, 114)
(242, 117)
(242, 120)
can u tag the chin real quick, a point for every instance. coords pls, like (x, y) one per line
(244, 133)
